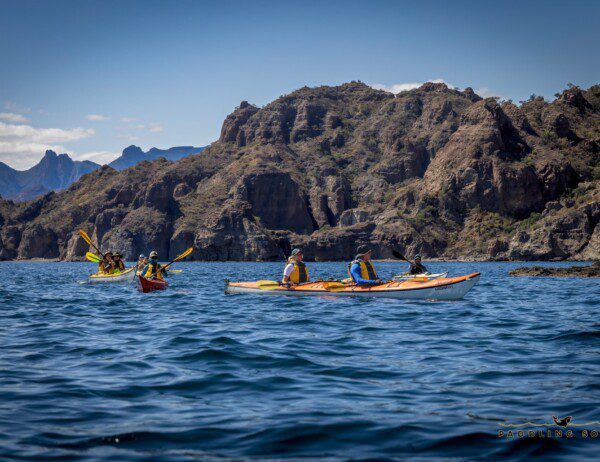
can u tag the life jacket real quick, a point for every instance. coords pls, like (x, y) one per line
(108, 267)
(120, 265)
(417, 268)
(299, 273)
(101, 267)
(366, 270)
(154, 270)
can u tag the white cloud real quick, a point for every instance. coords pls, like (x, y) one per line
(485, 92)
(155, 127)
(23, 155)
(399, 87)
(21, 146)
(100, 157)
(96, 118)
(42, 135)
(129, 120)
(12, 117)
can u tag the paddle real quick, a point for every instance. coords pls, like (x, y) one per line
(93, 257)
(87, 239)
(399, 256)
(267, 285)
(334, 286)
(179, 257)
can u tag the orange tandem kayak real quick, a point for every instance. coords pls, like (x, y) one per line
(453, 288)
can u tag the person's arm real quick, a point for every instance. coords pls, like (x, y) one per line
(163, 271)
(287, 272)
(355, 272)
(422, 268)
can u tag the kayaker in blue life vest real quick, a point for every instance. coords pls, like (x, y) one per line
(361, 269)
(154, 270)
(417, 267)
(295, 271)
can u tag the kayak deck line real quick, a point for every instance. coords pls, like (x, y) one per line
(423, 276)
(442, 288)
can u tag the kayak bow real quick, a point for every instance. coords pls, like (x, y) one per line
(150, 285)
(437, 289)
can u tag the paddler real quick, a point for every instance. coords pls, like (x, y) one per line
(295, 271)
(417, 267)
(106, 265)
(119, 265)
(142, 261)
(361, 269)
(154, 270)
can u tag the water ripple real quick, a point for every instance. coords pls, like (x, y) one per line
(92, 372)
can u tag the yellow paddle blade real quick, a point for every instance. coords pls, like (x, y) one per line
(85, 237)
(176, 271)
(93, 257)
(334, 286)
(184, 254)
(267, 285)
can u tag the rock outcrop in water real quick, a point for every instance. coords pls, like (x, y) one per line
(432, 170)
(592, 271)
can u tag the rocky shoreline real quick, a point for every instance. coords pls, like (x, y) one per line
(592, 271)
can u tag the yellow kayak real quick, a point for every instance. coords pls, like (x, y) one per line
(123, 276)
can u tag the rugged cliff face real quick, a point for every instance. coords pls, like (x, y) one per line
(434, 170)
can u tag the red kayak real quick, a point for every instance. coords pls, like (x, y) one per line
(150, 285)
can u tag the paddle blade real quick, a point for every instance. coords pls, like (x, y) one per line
(93, 257)
(334, 286)
(85, 236)
(267, 285)
(398, 255)
(184, 254)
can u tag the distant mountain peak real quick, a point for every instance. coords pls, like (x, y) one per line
(134, 154)
(131, 151)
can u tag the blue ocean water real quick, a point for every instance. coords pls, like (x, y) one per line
(102, 372)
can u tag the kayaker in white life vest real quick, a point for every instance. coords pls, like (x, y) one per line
(154, 270)
(295, 271)
(361, 269)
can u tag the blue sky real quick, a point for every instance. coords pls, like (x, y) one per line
(91, 77)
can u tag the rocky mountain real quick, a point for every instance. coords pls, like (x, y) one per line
(432, 170)
(134, 154)
(52, 173)
(56, 172)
